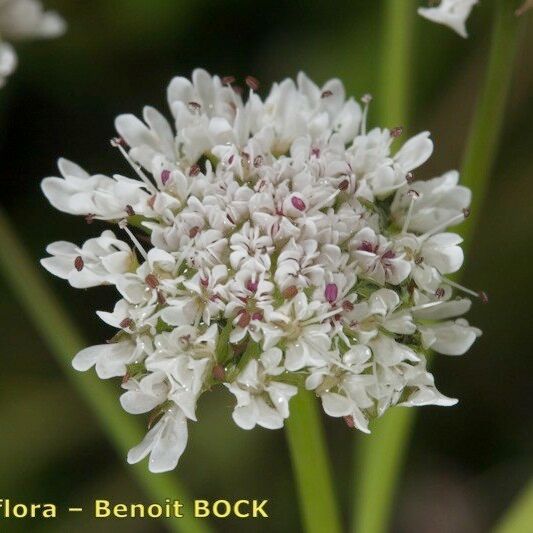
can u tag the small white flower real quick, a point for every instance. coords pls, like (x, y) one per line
(164, 443)
(451, 13)
(99, 261)
(377, 258)
(21, 20)
(110, 360)
(261, 400)
(379, 311)
(439, 200)
(98, 196)
(302, 326)
(449, 338)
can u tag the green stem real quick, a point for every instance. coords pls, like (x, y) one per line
(485, 130)
(395, 66)
(60, 335)
(380, 456)
(311, 468)
(519, 517)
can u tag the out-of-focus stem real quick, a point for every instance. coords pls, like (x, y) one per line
(393, 99)
(519, 517)
(311, 468)
(380, 456)
(486, 127)
(60, 335)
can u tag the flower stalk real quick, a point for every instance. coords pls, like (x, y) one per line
(62, 339)
(309, 457)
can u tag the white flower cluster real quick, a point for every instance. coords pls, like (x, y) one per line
(20, 20)
(286, 246)
(451, 13)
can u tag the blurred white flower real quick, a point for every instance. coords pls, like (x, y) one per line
(275, 244)
(451, 13)
(21, 20)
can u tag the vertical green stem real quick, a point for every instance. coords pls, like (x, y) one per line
(60, 335)
(380, 456)
(395, 63)
(311, 468)
(485, 130)
(519, 517)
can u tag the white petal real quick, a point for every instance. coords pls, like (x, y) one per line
(415, 152)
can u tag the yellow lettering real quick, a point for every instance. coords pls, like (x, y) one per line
(49, 510)
(101, 508)
(154, 510)
(216, 506)
(201, 508)
(257, 509)
(120, 510)
(236, 508)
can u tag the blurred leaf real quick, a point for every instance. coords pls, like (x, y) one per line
(519, 516)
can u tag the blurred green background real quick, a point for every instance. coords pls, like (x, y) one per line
(465, 463)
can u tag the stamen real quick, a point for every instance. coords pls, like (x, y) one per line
(343, 185)
(165, 176)
(123, 224)
(161, 300)
(134, 166)
(414, 197)
(332, 196)
(228, 80)
(78, 263)
(129, 210)
(331, 292)
(244, 319)
(396, 132)
(152, 281)
(290, 292)
(323, 317)
(443, 225)
(252, 82)
(477, 294)
(349, 421)
(258, 161)
(119, 141)
(193, 232)
(194, 106)
(219, 372)
(126, 323)
(347, 305)
(439, 293)
(251, 285)
(326, 94)
(194, 170)
(298, 203)
(366, 99)
(427, 306)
